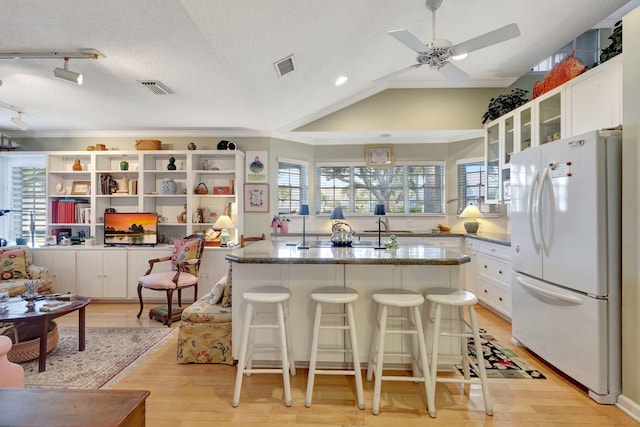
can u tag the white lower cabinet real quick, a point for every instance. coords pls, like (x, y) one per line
(470, 269)
(102, 273)
(494, 277)
(61, 264)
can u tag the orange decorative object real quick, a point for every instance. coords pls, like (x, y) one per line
(562, 72)
(77, 166)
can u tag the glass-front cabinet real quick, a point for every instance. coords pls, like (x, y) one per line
(492, 165)
(550, 117)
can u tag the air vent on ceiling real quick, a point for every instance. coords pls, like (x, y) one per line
(156, 87)
(285, 66)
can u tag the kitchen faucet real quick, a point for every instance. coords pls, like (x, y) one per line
(384, 222)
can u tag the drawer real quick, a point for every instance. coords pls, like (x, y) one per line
(471, 244)
(444, 242)
(494, 268)
(495, 249)
(495, 296)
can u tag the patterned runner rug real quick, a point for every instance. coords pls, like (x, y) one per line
(108, 351)
(500, 361)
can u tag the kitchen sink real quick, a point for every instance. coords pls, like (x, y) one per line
(389, 231)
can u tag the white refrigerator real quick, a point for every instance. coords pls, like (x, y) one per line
(565, 241)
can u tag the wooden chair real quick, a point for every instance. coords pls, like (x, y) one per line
(185, 260)
(243, 239)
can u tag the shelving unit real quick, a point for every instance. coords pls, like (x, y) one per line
(136, 186)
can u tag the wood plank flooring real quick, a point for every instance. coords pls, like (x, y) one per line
(197, 395)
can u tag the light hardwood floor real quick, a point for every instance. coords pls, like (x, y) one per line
(200, 395)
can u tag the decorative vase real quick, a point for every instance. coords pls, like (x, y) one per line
(168, 186)
(124, 165)
(77, 166)
(284, 228)
(191, 146)
(172, 164)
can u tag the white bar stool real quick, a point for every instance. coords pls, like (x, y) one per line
(335, 295)
(457, 298)
(410, 324)
(265, 295)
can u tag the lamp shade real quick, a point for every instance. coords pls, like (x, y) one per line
(471, 211)
(337, 213)
(304, 210)
(224, 221)
(379, 210)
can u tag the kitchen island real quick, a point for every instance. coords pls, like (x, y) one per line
(411, 266)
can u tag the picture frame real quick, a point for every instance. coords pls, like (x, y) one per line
(379, 156)
(256, 197)
(256, 166)
(81, 188)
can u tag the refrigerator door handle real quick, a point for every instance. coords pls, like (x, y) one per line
(532, 192)
(546, 184)
(548, 293)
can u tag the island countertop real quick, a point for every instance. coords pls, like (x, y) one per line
(321, 252)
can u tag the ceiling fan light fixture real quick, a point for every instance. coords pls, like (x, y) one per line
(18, 121)
(341, 80)
(458, 57)
(66, 74)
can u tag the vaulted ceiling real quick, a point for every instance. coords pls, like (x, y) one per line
(217, 57)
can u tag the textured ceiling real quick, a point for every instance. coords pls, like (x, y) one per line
(217, 57)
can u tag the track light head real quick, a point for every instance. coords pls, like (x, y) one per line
(18, 121)
(65, 73)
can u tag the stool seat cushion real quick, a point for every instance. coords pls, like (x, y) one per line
(448, 296)
(334, 295)
(267, 294)
(398, 297)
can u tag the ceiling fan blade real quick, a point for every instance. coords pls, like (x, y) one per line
(453, 73)
(492, 37)
(396, 73)
(409, 40)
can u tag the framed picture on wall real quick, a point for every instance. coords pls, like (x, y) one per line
(256, 166)
(256, 197)
(379, 156)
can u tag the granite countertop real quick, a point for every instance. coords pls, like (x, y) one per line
(499, 238)
(321, 252)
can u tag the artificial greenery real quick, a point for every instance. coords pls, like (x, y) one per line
(615, 48)
(505, 103)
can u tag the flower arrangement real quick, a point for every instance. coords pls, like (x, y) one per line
(280, 223)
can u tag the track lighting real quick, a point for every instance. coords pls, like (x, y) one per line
(65, 73)
(18, 121)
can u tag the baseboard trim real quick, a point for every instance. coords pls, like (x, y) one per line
(629, 407)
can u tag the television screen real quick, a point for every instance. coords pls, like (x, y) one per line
(139, 228)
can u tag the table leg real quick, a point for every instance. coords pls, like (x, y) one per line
(81, 329)
(42, 356)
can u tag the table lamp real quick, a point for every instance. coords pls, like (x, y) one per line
(336, 214)
(379, 211)
(225, 223)
(472, 213)
(304, 211)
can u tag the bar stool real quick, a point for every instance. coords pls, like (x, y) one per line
(265, 295)
(457, 298)
(335, 295)
(410, 324)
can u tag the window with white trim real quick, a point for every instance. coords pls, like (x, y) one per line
(293, 185)
(416, 188)
(27, 183)
(471, 188)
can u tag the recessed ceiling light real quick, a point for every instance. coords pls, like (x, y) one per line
(341, 80)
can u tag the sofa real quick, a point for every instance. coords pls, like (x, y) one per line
(205, 327)
(16, 267)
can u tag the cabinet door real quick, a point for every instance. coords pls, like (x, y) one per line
(596, 99)
(492, 165)
(212, 268)
(89, 273)
(470, 269)
(114, 274)
(61, 264)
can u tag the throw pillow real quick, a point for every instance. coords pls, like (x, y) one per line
(217, 291)
(226, 298)
(183, 250)
(14, 264)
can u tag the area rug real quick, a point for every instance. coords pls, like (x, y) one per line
(108, 351)
(500, 361)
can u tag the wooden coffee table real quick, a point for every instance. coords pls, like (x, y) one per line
(18, 312)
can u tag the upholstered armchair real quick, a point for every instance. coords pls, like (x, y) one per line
(185, 260)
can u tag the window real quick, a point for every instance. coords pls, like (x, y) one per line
(471, 188)
(27, 195)
(404, 189)
(586, 46)
(293, 185)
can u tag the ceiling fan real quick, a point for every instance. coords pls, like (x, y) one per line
(438, 52)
